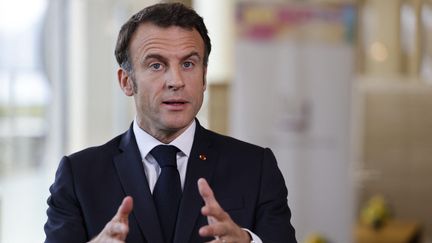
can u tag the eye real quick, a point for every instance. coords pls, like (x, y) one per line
(156, 66)
(188, 65)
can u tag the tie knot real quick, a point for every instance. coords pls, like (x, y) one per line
(165, 155)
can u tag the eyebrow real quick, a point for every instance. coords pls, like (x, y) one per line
(194, 53)
(165, 60)
(155, 56)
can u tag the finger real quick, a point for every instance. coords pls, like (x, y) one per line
(206, 192)
(212, 209)
(106, 240)
(117, 229)
(110, 240)
(209, 200)
(124, 210)
(214, 241)
(213, 230)
(116, 241)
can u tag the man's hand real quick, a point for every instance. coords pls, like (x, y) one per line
(116, 230)
(221, 226)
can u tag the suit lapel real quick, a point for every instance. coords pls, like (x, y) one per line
(132, 177)
(201, 163)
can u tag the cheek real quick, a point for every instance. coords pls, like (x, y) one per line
(144, 95)
(199, 94)
(147, 97)
(148, 88)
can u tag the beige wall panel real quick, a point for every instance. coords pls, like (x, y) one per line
(218, 107)
(397, 149)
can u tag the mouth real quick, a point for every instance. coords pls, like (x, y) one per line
(175, 103)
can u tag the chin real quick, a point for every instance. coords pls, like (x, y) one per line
(177, 124)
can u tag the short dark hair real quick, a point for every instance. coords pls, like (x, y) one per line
(162, 15)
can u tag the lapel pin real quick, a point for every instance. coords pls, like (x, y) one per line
(202, 157)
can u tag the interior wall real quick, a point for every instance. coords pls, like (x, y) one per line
(396, 148)
(393, 108)
(391, 132)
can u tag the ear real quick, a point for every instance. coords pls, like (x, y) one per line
(125, 82)
(205, 79)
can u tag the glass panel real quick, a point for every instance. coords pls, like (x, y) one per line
(25, 91)
(408, 29)
(426, 25)
(409, 38)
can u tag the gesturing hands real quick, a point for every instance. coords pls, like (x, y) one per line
(220, 226)
(117, 229)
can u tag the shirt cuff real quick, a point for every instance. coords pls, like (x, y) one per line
(255, 238)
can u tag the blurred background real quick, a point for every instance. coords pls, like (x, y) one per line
(340, 90)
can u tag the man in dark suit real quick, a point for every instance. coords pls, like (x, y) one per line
(219, 189)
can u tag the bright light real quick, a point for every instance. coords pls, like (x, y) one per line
(378, 51)
(31, 88)
(16, 15)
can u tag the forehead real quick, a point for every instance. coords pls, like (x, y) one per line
(173, 40)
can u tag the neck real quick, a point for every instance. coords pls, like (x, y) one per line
(165, 136)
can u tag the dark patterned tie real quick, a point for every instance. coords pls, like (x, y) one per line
(167, 192)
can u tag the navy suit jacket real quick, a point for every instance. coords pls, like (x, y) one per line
(90, 185)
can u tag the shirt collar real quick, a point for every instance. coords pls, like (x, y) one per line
(146, 142)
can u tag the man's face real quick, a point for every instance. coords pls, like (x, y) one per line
(167, 80)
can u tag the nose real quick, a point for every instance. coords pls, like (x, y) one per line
(174, 79)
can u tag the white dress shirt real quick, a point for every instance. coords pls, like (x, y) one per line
(152, 170)
(146, 143)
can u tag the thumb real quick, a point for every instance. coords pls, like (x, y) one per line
(124, 210)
